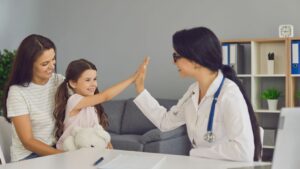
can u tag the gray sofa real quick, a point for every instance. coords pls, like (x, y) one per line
(131, 130)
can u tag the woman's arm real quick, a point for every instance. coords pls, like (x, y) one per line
(111, 92)
(109, 146)
(23, 128)
(162, 118)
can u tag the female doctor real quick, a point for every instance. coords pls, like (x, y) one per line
(220, 120)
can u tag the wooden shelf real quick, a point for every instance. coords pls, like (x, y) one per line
(244, 75)
(268, 147)
(269, 75)
(266, 111)
(250, 61)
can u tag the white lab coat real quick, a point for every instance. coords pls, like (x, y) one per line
(231, 124)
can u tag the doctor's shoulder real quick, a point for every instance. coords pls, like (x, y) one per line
(231, 90)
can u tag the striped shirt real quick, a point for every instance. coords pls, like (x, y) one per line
(38, 102)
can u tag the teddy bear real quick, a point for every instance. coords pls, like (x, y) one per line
(86, 138)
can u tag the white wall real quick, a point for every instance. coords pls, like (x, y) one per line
(117, 34)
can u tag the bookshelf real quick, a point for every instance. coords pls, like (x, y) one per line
(258, 72)
(294, 79)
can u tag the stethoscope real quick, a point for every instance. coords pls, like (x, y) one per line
(210, 136)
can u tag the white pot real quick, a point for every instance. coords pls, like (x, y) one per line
(272, 104)
(270, 65)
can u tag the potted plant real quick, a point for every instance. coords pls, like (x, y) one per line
(298, 95)
(6, 62)
(271, 95)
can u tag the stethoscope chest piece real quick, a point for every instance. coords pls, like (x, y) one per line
(210, 137)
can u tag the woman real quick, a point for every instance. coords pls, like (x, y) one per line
(29, 98)
(220, 120)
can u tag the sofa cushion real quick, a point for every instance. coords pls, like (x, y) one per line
(114, 110)
(157, 135)
(135, 122)
(127, 142)
(178, 145)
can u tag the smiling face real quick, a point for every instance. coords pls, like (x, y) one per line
(86, 84)
(43, 67)
(185, 67)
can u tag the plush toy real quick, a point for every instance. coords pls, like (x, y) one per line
(86, 138)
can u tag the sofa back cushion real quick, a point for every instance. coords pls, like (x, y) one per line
(135, 122)
(114, 110)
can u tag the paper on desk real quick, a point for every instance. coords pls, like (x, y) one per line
(133, 162)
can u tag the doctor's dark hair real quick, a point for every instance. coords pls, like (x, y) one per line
(30, 49)
(202, 46)
(73, 73)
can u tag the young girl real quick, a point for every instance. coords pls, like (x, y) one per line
(77, 100)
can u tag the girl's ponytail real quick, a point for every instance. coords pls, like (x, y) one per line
(61, 99)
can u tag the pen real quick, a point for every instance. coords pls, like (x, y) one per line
(98, 161)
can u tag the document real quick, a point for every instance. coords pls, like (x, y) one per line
(123, 161)
(225, 52)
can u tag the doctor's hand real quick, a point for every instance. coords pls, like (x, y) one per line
(140, 80)
(140, 70)
(109, 146)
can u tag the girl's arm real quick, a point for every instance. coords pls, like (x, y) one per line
(23, 128)
(111, 92)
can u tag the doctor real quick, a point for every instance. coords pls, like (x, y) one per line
(220, 120)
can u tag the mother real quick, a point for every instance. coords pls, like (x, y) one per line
(29, 98)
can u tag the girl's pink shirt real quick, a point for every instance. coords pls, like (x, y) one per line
(87, 117)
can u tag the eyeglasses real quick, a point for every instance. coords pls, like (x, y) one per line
(176, 56)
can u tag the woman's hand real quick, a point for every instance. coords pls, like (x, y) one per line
(109, 146)
(141, 68)
(140, 79)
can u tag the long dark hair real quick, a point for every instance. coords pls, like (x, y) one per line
(73, 72)
(202, 46)
(30, 49)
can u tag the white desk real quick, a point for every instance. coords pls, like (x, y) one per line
(84, 159)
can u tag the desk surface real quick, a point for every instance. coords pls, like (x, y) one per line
(84, 159)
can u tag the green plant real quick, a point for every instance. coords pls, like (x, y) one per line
(298, 95)
(6, 62)
(270, 94)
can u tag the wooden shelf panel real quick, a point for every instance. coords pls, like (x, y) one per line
(266, 111)
(268, 147)
(244, 75)
(269, 75)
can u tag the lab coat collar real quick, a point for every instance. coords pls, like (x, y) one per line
(215, 84)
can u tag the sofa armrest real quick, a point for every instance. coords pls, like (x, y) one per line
(156, 135)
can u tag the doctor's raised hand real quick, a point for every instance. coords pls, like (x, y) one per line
(140, 79)
(218, 115)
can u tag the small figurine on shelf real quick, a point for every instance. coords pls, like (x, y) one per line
(271, 95)
(270, 63)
